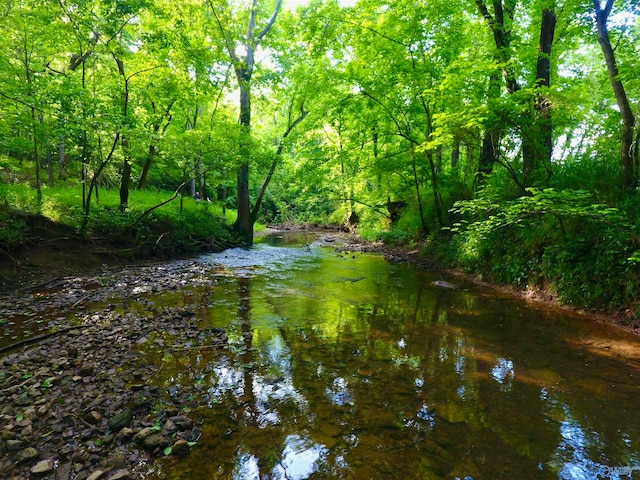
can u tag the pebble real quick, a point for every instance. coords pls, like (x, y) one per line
(156, 440)
(43, 466)
(181, 448)
(26, 455)
(14, 445)
(97, 475)
(122, 474)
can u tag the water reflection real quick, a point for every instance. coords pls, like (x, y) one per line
(343, 366)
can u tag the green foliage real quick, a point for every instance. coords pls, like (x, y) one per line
(14, 230)
(400, 101)
(559, 240)
(168, 228)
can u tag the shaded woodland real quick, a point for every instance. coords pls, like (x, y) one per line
(501, 136)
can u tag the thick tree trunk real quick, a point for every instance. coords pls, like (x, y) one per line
(628, 119)
(488, 152)
(490, 137)
(125, 179)
(244, 70)
(244, 223)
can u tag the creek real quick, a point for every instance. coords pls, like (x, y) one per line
(341, 365)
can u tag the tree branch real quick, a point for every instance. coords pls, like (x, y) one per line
(401, 133)
(268, 26)
(149, 210)
(274, 163)
(227, 43)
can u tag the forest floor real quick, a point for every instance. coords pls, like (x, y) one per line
(80, 402)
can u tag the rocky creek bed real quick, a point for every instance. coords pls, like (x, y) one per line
(80, 402)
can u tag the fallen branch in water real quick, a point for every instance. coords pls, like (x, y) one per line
(38, 338)
(203, 347)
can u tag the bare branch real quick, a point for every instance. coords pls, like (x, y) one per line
(227, 42)
(272, 20)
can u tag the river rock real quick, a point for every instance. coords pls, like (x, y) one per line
(156, 440)
(125, 433)
(23, 400)
(93, 417)
(26, 431)
(43, 466)
(181, 422)
(30, 413)
(169, 427)
(26, 455)
(181, 448)
(97, 475)
(142, 434)
(445, 284)
(63, 472)
(14, 445)
(122, 474)
(121, 420)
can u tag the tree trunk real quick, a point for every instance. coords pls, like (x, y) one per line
(628, 119)
(62, 173)
(455, 153)
(50, 181)
(274, 163)
(244, 223)
(490, 137)
(244, 70)
(543, 128)
(125, 180)
(153, 150)
(416, 185)
(147, 166)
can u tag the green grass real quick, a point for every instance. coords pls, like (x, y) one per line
(185, 228)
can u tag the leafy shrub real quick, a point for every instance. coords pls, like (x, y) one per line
(582, 251)
(14, 229)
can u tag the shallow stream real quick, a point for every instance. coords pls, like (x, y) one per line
(344, 366)
(341, 365)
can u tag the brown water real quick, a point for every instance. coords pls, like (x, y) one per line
(343, 366)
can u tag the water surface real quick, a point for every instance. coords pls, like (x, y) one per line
(343, 366)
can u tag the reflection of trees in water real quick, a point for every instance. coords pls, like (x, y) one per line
(265, 446)
(413, 381)
(401, 385)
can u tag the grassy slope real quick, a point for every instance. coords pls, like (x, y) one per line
(38, 241)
